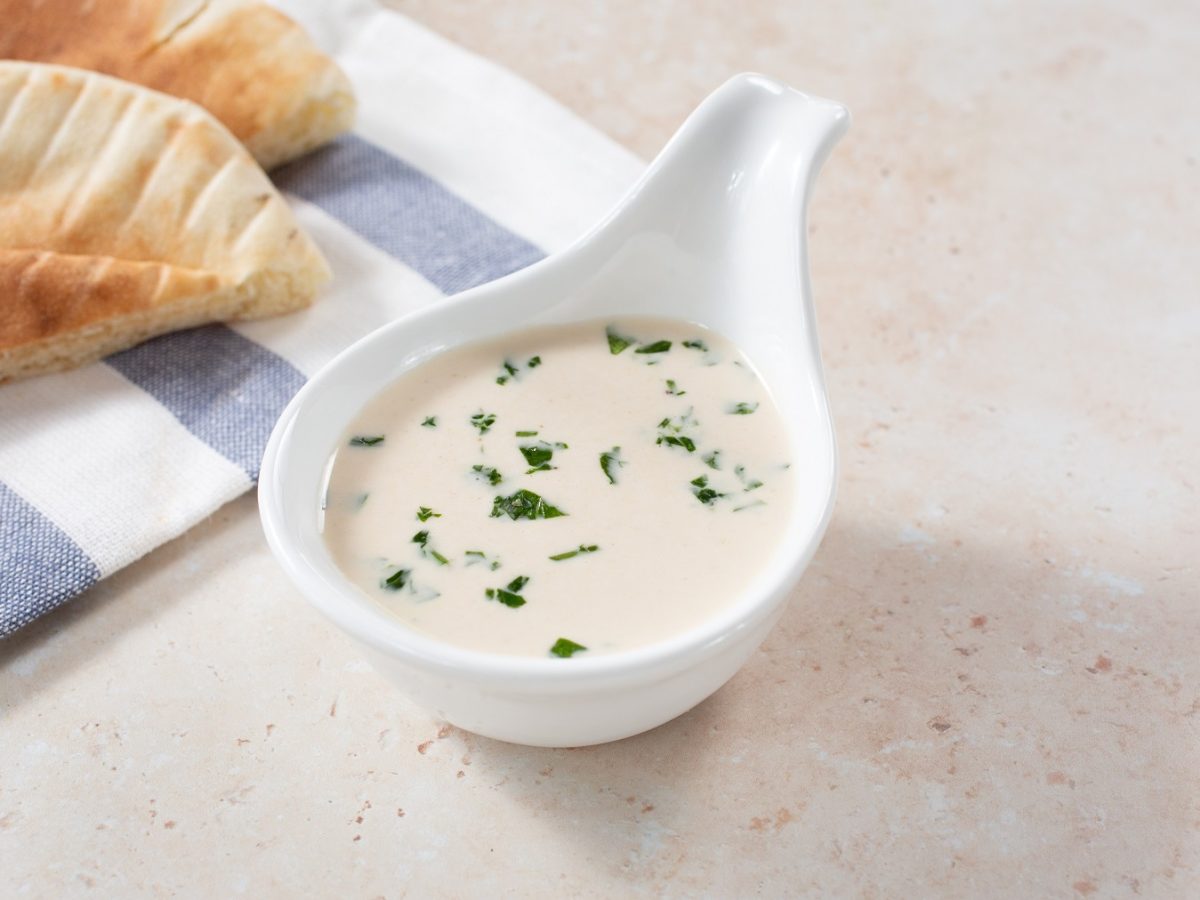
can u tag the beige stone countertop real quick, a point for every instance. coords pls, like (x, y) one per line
(987, 684)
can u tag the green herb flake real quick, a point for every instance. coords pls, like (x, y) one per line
(430, 422)
(673, 388)
(656, 347)
(670, 432)
(750, 505)
(510, 594)
(748, 484)
(422, 538)
(366, 440)
(713, 460)
(696, 344)
(509, 599)
(361, 500)
(526, 434)
(524, 504)
(742, 409)
(674, 441)
(565, 648)
(478, 557)
(397, 579)
(536, 454)
(425, 514)
(703, 492)
(534, 362)
(539, 455)
(610, 462)
(616, 343)
(483, 421)
(583, 548)
(487, 473)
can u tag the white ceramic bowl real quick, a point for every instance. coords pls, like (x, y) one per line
(713, 233)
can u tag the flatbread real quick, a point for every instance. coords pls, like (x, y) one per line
(248, 64)
(126, 213)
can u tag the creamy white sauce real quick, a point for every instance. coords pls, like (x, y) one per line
(666, 559)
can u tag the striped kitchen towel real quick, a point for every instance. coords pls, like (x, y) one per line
(457, 173)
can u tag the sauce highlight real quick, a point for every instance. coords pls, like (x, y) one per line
(563, 491)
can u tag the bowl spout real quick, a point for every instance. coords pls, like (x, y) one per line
(715, 230)
(749, 153)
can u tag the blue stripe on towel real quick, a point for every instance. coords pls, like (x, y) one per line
(40, 566)
(406, 214)
(225, 389)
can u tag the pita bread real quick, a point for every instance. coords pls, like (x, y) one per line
(125, 213)
(249, 65)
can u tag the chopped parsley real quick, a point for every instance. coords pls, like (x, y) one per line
(526, 434)
(476, 557)
(487, 473)
(539, 455)
(508, 598)
(742, 409)
(673, 388)
(422, 538)
(510, 594)
(748, 484)
(365, 440)
(673, 441)
(616, 343)
(696, 344)
(750, 505)
(397, 580)
(425, 514)
(670, 432)
(610, 462)
(509, 371)
(566, 648)
(361, 500)
(483, 421)
(512, 372)
(430, 422)
(656, 347)
(703, 492)
(713, 460)
(524, 504)
(583, 548)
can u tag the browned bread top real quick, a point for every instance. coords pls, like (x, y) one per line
(248, 64)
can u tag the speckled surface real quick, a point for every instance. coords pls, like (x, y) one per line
(987, 685)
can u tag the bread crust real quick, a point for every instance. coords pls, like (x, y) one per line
(248, 64)
(126, 213)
